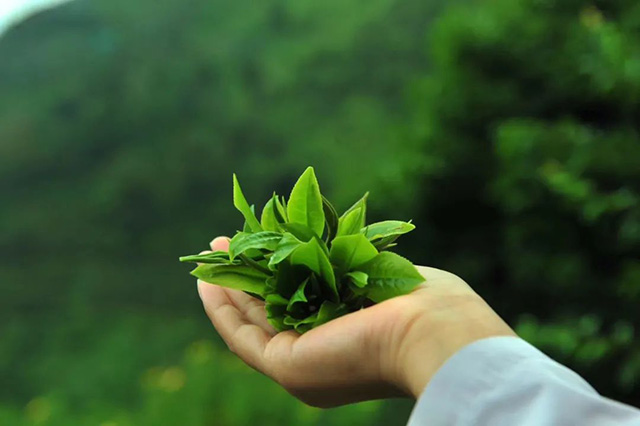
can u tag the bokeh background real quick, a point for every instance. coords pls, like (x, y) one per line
(508, 130)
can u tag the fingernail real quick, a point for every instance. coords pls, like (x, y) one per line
(219, 243)
(220, 238)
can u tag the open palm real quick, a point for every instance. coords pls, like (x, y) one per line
(357, 357)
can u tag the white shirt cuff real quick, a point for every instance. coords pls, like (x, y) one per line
(469, 377)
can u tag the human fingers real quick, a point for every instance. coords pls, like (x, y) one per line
(244, 338)
(220, 244)
(252, 308)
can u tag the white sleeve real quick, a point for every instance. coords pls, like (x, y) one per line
(504, 381)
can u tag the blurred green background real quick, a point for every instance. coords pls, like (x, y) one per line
(508, 130)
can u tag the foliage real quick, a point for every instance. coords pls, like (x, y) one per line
(119, 120)
(306, 273)
(204, 385)
(516, 154)
(533, 112)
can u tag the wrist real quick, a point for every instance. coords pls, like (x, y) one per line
(437, 332)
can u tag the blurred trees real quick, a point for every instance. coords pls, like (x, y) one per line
(512, 141)
(120, 126)
(532, 111)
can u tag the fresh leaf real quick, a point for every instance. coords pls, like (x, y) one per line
(290, 320)
(322, 245)
(329, 311)
(386, 246)
(245, 226)
(238, 277)
(389, 275)
(214, 257)
(243, 241)
(281, 210)
(276, 308)
(305, 203)
(351, 223)
(270, 285)
(276, 320)
(388, 228)
(353, 220)
(331, 218)
(301, 232)
(288, 278)
(314, 288)
(314, 257)
(301, 325)
(197, 258)
(286, 245)
(268, 219)
(384, 234)
(276, 299)
(358, 278)
(298, 296)
(221, 257)
(241, 204)
(386, 242)
(362, 202)
(303, 328)
(350, 251)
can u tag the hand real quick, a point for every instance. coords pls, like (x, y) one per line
(387, 350)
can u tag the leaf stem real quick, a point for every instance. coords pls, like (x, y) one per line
(250, 262)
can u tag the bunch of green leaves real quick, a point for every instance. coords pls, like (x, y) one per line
(307, 263)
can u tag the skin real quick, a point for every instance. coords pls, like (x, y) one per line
(390, 349)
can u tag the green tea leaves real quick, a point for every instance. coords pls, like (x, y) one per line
(298, 296)
(350, 251)
(281, 210)
(389, 275)
(244, 241)
(285, 260)
(276, 308)
(287, 244)
(358, 278)
(314, 257)
(241, 204)
(214, 257)
(362, 203)
(388, 228)
(301, 232)
(301, 325)
(350, 224)
(305, 203)
(288, 278)
(353, 220)
(384, 234)
(269, 218)
(329, 311)
(238, 277)
(330, 217)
